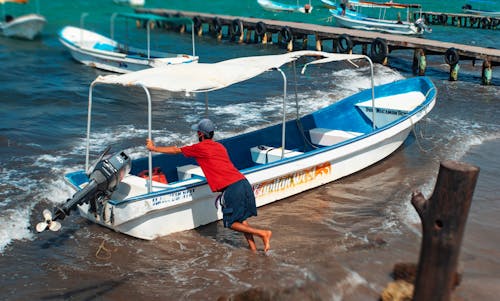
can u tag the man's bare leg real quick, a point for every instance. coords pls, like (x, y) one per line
(249, 238)
(244, 227)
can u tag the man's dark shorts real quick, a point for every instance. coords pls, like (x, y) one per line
(238, 203)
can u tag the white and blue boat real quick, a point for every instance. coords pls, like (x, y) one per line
(95, 50)
(279, 161)
(355, 17)
(480, 7)
(285, 7)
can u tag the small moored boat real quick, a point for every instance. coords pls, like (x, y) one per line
(23, 27)
(354, 17)
(96, 50)
(279, 161)
(285, 7)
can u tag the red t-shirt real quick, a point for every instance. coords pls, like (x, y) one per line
(215, 163)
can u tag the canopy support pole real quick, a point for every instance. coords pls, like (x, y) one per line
(373, 92)
(89, 119)
(206, 104)
(283, 131)
(150, 154)
(112, 24)
(82, 24)
(192, 37)
(149, 38)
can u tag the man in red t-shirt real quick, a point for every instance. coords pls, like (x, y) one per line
(238, 201)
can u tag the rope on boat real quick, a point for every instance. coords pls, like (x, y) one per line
(107, 251)
(420, 134)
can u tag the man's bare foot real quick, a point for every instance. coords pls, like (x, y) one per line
(266, 238)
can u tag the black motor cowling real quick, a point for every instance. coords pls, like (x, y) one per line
(103, 180)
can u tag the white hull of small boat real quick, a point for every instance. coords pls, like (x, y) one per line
(98, 51)
(347, 136)
(23, 27)
(131, 2)
(349, 21)
(283, 7)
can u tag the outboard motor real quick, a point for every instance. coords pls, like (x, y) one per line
(421, 26)
(103, 180)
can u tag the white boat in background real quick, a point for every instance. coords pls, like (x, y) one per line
(285, 7)
(131, 2)
(96, 50)
(329, 4)
(479, 9)
(24, 27)
(355, 18)
(279, 161)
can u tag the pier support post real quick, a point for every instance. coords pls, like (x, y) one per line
(454, 72)
(451, 57)
(419, 62)
(289, 46)
(364, 49)
(486, 73)
(319, 46)
(443, 219)
(305, 40)
(248, 35)
(182, 28)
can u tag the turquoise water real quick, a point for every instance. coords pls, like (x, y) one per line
(337, 242)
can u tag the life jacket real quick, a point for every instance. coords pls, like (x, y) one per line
(158, 175)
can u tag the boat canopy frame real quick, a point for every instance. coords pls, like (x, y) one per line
(150, 18)
(145, 79)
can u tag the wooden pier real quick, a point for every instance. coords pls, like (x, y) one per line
(459, 20)
(343, 40)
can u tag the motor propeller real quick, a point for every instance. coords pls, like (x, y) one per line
(104, 177)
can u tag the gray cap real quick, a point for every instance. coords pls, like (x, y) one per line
(205, 126)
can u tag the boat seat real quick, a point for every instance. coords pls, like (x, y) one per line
(104, 47)
(187, 171)
(266, 154)
(132, 186)
(327, 137)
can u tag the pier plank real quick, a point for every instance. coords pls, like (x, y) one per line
(466, 52)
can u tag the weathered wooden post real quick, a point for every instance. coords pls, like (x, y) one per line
(486, 73)
(364, 49)
(451, 57)
(419, 62)
(319, 46)
(443, 223)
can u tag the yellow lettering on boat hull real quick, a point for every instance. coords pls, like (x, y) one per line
(292, 180)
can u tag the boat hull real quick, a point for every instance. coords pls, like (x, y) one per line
(376, 25)
(24, 27)
(283, 7)
(92, 49)
(185, 205)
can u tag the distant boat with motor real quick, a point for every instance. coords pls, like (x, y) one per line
(354, 17)
(281, 160)
(479, 9)
(24, 27)
(285, 7)
(96, 50)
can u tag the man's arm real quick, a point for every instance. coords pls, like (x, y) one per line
(172, 150)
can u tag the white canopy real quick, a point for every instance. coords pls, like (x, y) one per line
(202, 77)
